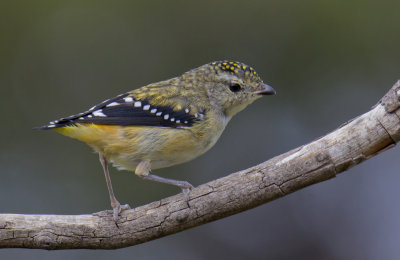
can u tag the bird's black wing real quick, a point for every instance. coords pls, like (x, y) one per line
(125, 110)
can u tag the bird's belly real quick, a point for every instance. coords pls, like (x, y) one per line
(162, 147)
(127, 146)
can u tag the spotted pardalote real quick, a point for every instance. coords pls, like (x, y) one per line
(165, 123)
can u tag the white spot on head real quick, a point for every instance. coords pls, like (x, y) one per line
(146, 107)
(187, 110)
(138, 104)
(166, 116)
(172, 119)
(128, 99)
(113, 104)
(159, 113)
(99, 113)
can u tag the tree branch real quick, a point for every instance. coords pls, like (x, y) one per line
(351, 144)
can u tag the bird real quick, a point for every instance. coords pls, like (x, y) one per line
(164, 123)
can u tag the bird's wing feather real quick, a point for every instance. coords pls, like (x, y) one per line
(125, 110)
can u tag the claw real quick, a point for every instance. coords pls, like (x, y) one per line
(125, 207)
(116, 212)
(186, 192)
(117, 209)
(186, 187)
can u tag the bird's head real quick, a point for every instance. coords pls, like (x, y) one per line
(231, 86)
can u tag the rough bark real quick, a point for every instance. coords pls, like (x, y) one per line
(349, 145)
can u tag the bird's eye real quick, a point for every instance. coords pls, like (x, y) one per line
(235, 87)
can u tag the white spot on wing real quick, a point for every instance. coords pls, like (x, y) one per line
(178, 121)
(50, 126)
(138, 104)
(146, 107)
(172, 119)
(153, 110)
(112, 104)
(166, 116)
(89, 116)
(128, 99)
(196, 115)
(187, 110)
(99, 113)
(158, 113)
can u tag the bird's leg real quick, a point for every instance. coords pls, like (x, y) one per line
(114, 202)
(143, 171)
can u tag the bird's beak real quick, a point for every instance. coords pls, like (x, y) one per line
(267, 90)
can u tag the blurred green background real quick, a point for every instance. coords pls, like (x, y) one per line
(329, 61)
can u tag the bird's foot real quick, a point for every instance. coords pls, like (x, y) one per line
(186, 187)
(117, 209)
